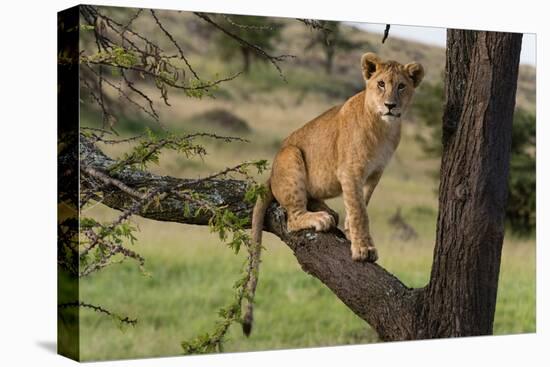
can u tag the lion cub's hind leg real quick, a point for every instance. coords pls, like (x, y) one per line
(288, 184)
(315, 205)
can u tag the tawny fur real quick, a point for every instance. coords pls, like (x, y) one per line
(343, 151)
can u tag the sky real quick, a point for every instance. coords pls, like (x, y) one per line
(436, 36)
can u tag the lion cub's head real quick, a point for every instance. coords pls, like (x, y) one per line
(390, 85)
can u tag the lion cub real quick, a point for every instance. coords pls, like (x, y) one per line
(343, 151)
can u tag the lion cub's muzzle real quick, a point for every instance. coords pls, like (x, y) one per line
(390, 110)
(393, 110)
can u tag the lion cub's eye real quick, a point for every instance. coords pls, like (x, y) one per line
(381, 84)
(401, 86)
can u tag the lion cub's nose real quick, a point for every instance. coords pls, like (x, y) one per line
(390, 105)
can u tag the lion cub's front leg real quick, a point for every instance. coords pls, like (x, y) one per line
(368, 189)
(362, 246)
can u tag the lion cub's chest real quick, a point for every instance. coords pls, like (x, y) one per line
(378, 157)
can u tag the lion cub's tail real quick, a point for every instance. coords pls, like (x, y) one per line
(258, 215)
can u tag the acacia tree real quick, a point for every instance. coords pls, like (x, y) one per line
(460, 297)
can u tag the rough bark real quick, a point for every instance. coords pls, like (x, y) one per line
(481, 78)
(460, 298)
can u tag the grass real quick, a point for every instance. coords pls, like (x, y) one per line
(192, 276)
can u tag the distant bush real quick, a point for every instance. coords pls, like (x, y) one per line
(521, 210)
(220, 118)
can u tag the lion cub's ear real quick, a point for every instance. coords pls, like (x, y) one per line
(369, 63)
(415, 72)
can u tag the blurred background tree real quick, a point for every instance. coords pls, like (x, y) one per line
(259, 31)
(331, 40)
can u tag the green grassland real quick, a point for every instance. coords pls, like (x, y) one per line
(192, 273)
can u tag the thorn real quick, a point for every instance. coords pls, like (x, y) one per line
(386, 33)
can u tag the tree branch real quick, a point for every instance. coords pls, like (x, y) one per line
(367, 289)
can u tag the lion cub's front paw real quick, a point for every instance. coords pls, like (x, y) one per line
(363, 253)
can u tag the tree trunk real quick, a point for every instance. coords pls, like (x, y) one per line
(329, 58)
(245, 51)
(460, 298)
(481, 77)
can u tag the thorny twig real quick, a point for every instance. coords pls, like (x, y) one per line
(151, 113)
(147, 60)
(99, 309)
(315, 24)
(246, 26)
(171, 38)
